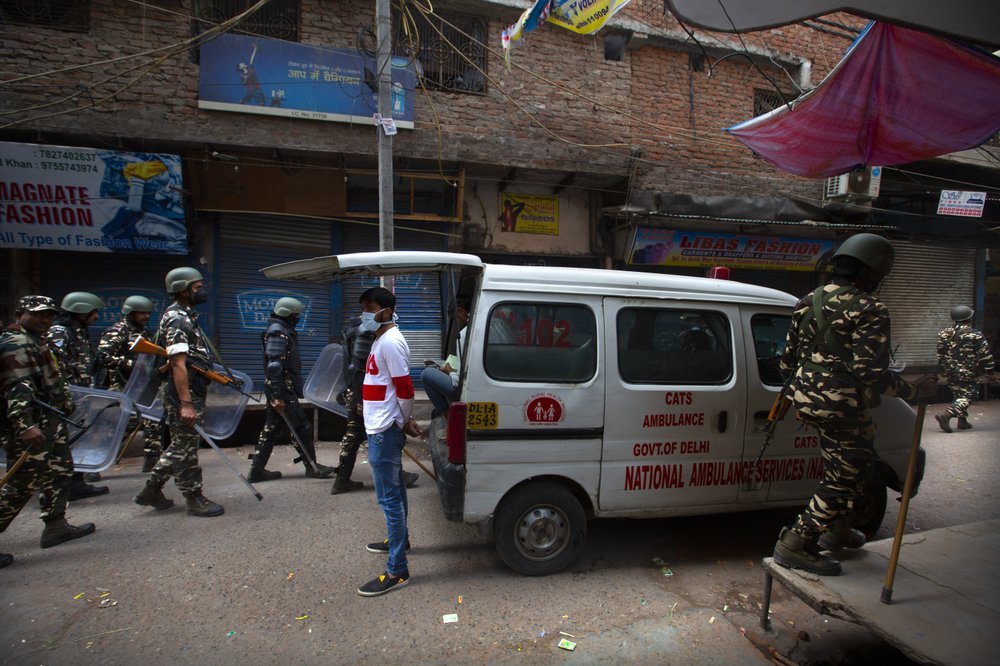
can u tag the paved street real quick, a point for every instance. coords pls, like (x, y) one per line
(276, 580)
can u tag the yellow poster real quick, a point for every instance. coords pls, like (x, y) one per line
(584, 17)
(529, 214)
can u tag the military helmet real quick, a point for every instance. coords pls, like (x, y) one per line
(180, 279)
(961, 313)
(871, 250)
(287, 306)
(81, 302)
(137, 304)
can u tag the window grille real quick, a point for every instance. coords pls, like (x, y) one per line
(453, 61)
(72, 15)
(278, 19)
(765, 101)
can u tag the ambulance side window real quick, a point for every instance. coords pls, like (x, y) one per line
(541, 342)
(674, 346)
(769, 335)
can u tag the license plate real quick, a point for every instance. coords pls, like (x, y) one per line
(482, 416)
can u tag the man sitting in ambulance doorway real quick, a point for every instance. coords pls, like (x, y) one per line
(441, 380)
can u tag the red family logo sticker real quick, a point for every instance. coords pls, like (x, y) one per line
(544, 409)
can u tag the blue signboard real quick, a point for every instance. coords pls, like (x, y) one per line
(248, 74)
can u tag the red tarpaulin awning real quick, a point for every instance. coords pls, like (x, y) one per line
(898, 96)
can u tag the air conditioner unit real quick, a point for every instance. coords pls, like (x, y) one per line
(856, 186)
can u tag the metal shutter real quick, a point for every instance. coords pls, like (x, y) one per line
(113, 277)
(246, 297)
(418, 295)
(925, 282)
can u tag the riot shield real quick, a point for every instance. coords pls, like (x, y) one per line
(326, 380)
(224, 406)
(104, 417)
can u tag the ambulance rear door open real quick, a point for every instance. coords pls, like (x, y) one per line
(673, 435)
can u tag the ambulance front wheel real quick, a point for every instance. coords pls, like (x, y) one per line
(539, 529)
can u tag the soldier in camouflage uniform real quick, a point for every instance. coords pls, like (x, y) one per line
(69, 340)
(837, 360)
(183, 394)
(28, 372)
(963, 356)
(283, 388)
(115, 361)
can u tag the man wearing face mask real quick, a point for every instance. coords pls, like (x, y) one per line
(837, 355)
(387, 394)
(183, 394)
(69, 340)
(283, 388)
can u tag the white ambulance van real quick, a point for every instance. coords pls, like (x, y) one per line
(590, 393)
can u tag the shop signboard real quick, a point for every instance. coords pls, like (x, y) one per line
(271, 77)
(87, 200)
(529, 214)
(670, 247)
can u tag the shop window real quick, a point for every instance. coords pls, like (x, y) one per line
(70, 15)
(278, 19)
(541, 342)
(661, 346)
(416, 196)
(769, 335)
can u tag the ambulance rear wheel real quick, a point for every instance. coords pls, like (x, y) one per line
(869, 512)
(539, 529)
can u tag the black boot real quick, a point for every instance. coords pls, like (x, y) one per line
(201, 506)
(6, 560)
(841, 535)
(793, 552)
(59, 531)
(942, 420)
(963, 423)
(149, 462)
(260, 475)
(152, 495)
(321, 471)
(343, 484)
(80, 489)
(92, 477)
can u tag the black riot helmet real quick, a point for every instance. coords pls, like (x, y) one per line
(962, 313)
(871, 250)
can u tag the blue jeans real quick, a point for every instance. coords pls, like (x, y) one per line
(385, 451)
(439, 389)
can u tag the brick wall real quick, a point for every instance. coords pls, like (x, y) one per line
(674, 114)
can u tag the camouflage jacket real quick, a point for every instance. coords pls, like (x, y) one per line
(178, 331)
(113, 353)
(70, 343)
(963, 353)
(849, 365)
(28, 370)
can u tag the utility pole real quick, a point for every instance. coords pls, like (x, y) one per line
(383, 33)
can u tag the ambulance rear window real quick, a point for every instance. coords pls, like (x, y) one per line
(541, 342)
(674, 346)
(769, 334)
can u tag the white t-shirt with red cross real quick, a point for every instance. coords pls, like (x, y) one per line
(387, 390)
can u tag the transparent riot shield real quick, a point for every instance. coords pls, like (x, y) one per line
(326, 380)
(103, 416)
(224, 406)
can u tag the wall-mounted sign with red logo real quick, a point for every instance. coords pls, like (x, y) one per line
(544, 409)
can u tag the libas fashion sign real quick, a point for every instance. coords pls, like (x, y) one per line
(277, 78)
(668, 247)
(86, 200)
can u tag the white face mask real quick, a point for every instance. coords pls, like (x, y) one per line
(368, 322)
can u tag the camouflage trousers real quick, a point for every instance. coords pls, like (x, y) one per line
(964, 393)
(180, 458)
(353, 435)
(275, 426)
(848, 456)
(47, 472)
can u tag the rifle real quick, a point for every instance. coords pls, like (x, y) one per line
(778, 411)
(144, 346)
